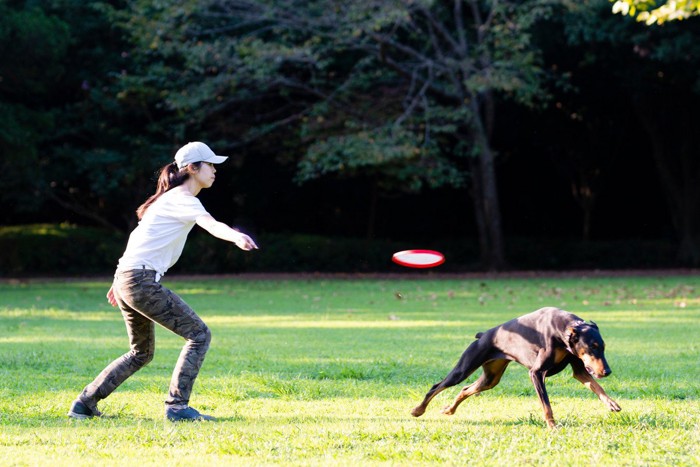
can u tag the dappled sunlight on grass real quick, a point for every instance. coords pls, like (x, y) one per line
(201, 291)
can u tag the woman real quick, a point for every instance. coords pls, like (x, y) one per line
(154, 246)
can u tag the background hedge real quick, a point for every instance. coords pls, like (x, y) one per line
(66, 250)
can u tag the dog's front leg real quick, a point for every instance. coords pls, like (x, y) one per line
(537, 378)
(587, 380)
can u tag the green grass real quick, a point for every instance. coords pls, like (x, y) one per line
(320, 371)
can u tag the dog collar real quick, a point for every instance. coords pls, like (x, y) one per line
(569, 334)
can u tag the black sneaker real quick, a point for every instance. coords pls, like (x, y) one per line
(186, 414)
(80, 410)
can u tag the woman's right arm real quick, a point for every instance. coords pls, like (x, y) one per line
(224, 232)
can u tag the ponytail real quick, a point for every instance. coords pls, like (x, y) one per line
(170, 177)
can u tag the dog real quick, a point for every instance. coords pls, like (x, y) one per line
(545, 342)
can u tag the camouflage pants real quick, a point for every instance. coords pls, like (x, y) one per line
(143, 301)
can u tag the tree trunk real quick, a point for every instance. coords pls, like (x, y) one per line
(689, 247)
(585, 196)
(486, 202)
(372, 214)
(476, 192)
(679, 174)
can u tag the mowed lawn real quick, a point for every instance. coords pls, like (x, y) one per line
(324, 371)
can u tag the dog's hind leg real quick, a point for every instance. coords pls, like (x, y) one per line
(472, 358)
(491, 376)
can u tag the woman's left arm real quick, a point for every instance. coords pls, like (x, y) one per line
(110, 297)
(224, 232)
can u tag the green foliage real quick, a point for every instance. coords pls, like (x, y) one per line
(327, 67)
(320, 370)
(67, 138)
(57, 250)
(66, 250)
(95, 96)
(33, 46)
(653, 11)
(421, 77)
(659, 81)
(399, 160)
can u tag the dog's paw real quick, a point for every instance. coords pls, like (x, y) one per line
(448, 410)
(418, 411)
(614, 406)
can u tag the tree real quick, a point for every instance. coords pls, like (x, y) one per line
(101, 160)
(654, 68)
(69, 140)
(448, 64)
(32, 45)
(650, 11)
(404, 90)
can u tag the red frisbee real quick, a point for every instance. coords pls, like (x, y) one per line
(418, 258)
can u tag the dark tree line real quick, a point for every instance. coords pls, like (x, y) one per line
(383, 99)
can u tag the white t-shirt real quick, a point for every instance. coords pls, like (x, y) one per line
(159, 239)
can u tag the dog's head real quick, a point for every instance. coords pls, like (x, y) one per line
(584, 341)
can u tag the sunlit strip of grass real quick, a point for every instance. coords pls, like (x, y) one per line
(325, 323)
(60, 313)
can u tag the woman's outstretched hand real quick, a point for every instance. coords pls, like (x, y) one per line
(246, 243)
(224, 232)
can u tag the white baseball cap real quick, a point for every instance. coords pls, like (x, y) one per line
(196, 152)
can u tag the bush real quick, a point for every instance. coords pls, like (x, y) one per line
(560, 254)
(58, 250)
(68, 250)
(288, 253)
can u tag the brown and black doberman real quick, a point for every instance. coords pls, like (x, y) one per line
(545, 341)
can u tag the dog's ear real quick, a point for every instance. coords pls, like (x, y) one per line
(571, 335)
(593, 325)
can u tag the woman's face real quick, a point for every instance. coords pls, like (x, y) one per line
(205, 175)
